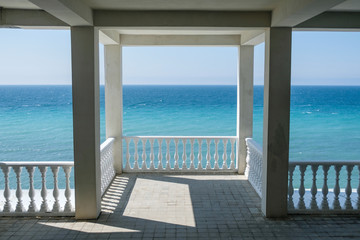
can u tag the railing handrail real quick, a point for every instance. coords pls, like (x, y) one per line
(182, 137)
(35, 164)
(106, 143)
(254, 144)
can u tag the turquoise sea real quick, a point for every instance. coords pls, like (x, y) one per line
(36, 121)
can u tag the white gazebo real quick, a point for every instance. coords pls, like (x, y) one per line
(242, 23)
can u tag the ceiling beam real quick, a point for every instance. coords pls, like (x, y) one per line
(107, 18)
(290, 13)
(253, 38)
(332, 20)
(72, 12)
(15, 18)
(109, 37)
(180, 40)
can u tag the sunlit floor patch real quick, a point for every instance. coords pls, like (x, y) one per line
(161, 201)
(87, 227)
(113, 195)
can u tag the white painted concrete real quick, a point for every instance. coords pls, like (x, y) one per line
(109, 37)
(290, 13)
(253, 37)
(111, 19)
(332, 21)
(245, 102)
(74, 13)
(276, 121)
(29, 19)
(37, 201)
(180, 40)
(247, 5)
(114, 100)
(86, 119)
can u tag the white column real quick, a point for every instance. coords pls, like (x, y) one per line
(244, 102)
(113, 100)
(276, 121)
(86, 121)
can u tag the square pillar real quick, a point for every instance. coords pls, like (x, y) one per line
(86, 121)
(276, 121)
(245, 93)
(114, 101)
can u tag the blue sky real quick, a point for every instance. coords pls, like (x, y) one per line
(44, 57)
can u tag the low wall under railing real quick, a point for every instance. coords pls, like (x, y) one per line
(179, 154)
(339, 181)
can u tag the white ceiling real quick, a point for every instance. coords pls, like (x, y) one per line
(252, 5)
(180, 31)
(235, 5)
(21, 4)
(349, 6)
(255, 5)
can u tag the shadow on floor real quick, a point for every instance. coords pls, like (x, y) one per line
(152, 206)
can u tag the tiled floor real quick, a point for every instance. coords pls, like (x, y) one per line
(182, 207)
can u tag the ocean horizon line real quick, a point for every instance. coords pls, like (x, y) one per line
(176, 85)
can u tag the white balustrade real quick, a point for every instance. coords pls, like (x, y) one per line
(181, 154)
(32, 201)
(337, 179)
(106, 164)
(332, 197)
(40, 200)
(254, 160)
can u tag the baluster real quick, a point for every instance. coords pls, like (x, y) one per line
(167, 140)
(358, 190)
(232, 155)
(224, 166)
(19, 205)
(176, 156)
(143, 165)
(199, 167)
(152, 156)
(44, 205)
(192, 156)
(160, 167)
(258, 168)
(127, 164)
(208, 156)
(55, 171)
(103, 166)
(249, 162)
(184, 157)
(102, 169)
(291, 187)
(32, 205)
(68, 207)
(325, 189)
(301, 204)
(348, 189)
(313, 203)
(7, 206)
(336, 203)
(136, 154)
(216, 155)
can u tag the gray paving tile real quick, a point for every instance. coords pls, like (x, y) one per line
(152, 206)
